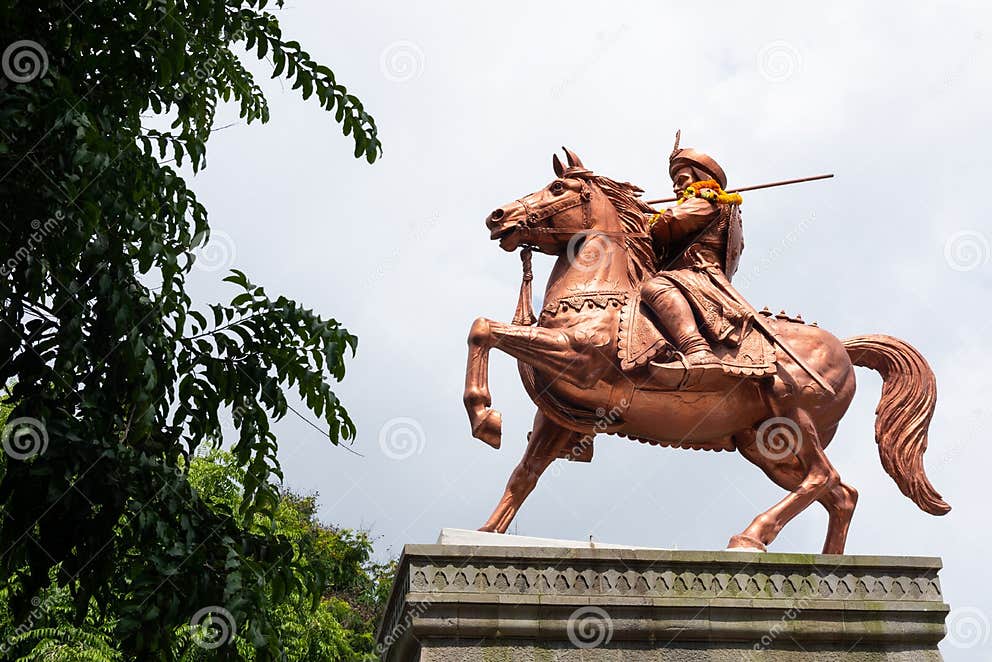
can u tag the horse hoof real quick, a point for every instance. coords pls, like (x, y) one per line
(489, 428)
(742, 543)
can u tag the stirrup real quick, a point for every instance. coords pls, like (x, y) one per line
(690, 373)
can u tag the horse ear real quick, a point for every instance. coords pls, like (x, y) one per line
(573, 160)
(556, 164)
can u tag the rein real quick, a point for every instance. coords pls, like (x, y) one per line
(584, 199)
(524, 314)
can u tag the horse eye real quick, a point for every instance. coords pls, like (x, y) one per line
(557, 188)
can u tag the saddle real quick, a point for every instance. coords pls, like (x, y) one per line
(640, 342)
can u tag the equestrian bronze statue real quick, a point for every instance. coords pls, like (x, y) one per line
(642, 335)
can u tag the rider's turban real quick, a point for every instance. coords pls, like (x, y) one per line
(688, 156)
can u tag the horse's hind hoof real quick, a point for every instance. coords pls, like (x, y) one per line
(742, 543)
(489, 428)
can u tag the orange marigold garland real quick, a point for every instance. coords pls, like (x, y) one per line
(704, 184)
(707, 189)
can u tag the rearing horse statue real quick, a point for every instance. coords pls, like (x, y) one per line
(570, 366)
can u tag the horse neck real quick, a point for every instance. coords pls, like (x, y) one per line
(597, 264)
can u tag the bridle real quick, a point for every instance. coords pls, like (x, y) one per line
(524, 315)
(584, 198)
(534, 216)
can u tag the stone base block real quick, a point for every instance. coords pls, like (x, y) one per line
(471, 603)
(484, 650)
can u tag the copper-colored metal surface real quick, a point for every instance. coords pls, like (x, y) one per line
(599, 361)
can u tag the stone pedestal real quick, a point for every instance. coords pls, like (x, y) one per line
(484, 603)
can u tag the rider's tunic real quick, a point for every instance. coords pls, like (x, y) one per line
(699, 243)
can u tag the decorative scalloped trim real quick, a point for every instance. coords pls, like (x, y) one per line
(627, 320)
(588, 578)
(725, 444)
(577, 302)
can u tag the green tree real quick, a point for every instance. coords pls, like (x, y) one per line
(119, 377)
(337, 623)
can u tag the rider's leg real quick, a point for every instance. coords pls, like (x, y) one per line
(675, 315)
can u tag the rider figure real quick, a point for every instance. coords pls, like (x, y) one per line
(699, 242)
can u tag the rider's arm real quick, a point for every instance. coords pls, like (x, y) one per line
(682, 220)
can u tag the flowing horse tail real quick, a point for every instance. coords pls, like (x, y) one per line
(909, 395)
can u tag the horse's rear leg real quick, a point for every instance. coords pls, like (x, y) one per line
(840, 503)
(546, 443)
(787, 472)
(792, 432)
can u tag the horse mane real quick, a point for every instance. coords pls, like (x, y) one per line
(634, 214)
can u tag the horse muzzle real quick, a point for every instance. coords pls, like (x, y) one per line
(503, 224)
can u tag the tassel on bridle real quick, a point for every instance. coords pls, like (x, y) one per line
(524, 316)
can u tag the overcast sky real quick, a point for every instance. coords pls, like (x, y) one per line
(472, 100)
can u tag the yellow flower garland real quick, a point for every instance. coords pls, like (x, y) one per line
(707, 189)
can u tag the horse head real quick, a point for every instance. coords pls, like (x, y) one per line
(579, 213)
(549, 218)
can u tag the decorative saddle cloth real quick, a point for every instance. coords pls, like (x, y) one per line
(640, 341)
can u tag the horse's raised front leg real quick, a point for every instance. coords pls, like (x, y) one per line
(542, 348)
(486, 423)
(545, 443)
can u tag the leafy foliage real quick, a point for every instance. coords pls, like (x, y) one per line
(113, 362)
(336, 623)
(66, 644)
